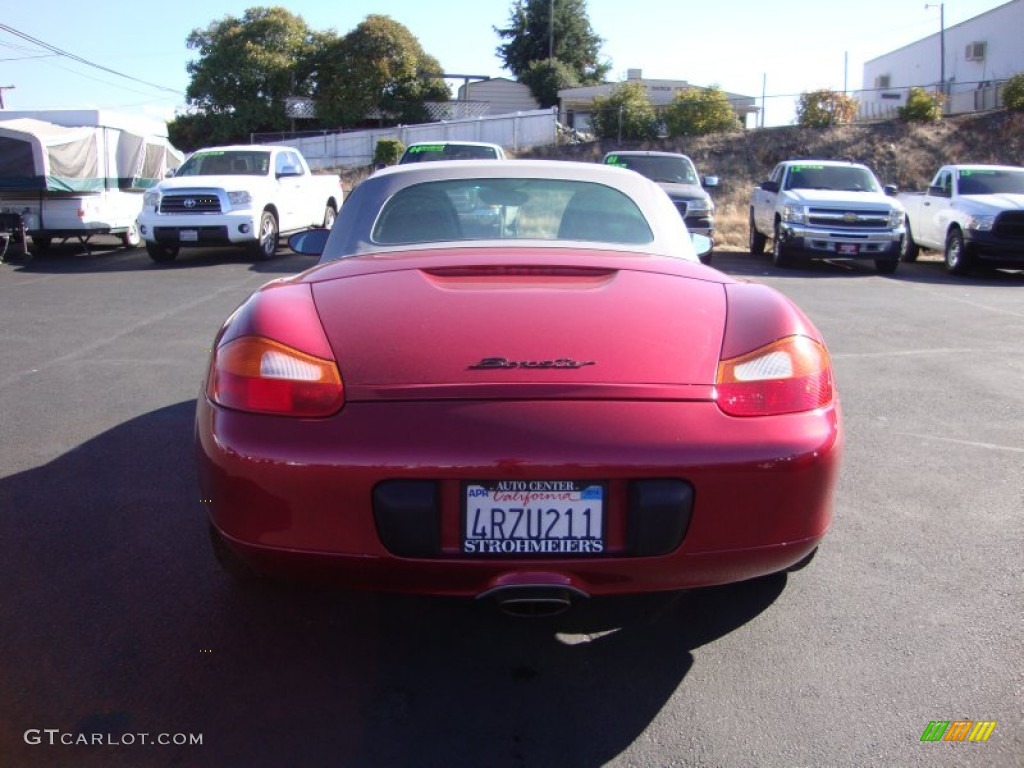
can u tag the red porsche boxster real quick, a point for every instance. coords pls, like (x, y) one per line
(516, 380)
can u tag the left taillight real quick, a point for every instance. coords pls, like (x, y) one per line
(789, 375)
(257, 374)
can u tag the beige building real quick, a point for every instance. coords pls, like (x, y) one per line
(503, 96)
(576, 104)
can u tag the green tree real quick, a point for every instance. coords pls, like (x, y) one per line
(699, 111)
(528, 36)
(388, 152)
(245, 69)
(626, 113)
(377, 67)
(546, 78)
(1013, 93)
(819, 109)
(922, 107)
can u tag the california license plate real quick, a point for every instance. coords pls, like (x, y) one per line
(533, 517)
(188, 236)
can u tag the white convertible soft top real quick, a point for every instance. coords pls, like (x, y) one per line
(352, 233)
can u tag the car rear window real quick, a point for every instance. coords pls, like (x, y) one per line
(419, 153)
(510, 209)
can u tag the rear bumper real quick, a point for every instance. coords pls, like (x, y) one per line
(461, 578)
(832, 244)
(296, 497)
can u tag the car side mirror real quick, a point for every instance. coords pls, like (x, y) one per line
(936, 191)
(309, 242)
(770, 186)
(891, 190)
(710, 181)
(701, 244)
(169, 173)
(289, 170)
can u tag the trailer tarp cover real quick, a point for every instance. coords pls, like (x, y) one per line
(39, 155)
(35, 154)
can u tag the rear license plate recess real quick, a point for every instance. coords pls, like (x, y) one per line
(533, 517)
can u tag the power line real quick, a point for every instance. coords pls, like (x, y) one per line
(130, 89)
(25, 58)
(74, 57)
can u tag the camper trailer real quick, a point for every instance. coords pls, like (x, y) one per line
(77, 173)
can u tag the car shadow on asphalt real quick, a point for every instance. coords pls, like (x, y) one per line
(73, 258)
(117, 620)
(742, 264)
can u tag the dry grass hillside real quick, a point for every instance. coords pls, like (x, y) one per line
(906, 154)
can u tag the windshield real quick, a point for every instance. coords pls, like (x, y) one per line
(419, 153)
(666, 169)
(488, 209)
(985, 181)
(843, 178)
(226, 163)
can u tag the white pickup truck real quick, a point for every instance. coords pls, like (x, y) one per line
(828, 209)
(243, 195)
(972, 213)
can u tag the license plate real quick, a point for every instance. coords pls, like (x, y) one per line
(849, 249)
(533, 517)
(188, 236)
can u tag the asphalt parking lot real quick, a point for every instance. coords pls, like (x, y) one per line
(116, 620)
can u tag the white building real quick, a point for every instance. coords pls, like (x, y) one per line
(973, 58)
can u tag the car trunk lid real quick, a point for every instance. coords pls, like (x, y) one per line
(514, 330)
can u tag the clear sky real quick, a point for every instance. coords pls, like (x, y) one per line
(790, 46)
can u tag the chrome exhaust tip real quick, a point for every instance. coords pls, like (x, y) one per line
(534, 601)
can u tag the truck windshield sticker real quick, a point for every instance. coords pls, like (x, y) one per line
(797, 168)
(427, 148)
(967, 172)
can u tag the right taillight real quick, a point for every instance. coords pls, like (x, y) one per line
(790, 375)
(253, 373)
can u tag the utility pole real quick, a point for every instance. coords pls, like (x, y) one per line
(942, 44)
(764, 90)
(551, 31)
(2, 89)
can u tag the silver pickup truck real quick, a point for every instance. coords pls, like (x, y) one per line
(827, 209)
(972, 213)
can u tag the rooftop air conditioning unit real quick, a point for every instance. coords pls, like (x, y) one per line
(975, 51)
